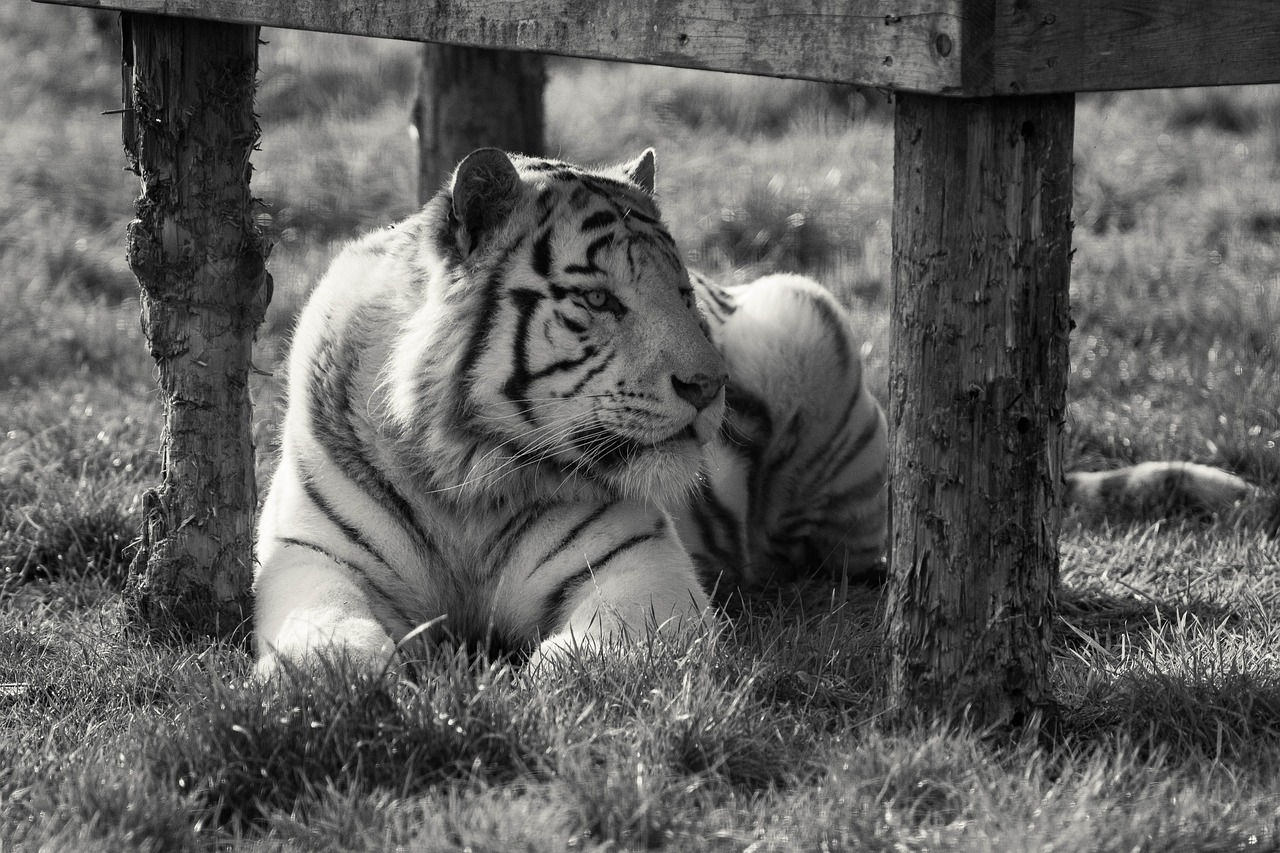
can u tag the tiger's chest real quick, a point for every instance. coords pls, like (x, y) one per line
(495, 572)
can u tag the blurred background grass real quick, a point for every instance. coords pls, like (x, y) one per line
(1175, 286)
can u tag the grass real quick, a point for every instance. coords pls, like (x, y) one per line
(768, 738)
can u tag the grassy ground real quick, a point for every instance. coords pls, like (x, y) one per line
(1167, 666)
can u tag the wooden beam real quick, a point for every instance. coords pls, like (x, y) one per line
(1088, 45)
(900, 44)
(978, 377)
(956, 47)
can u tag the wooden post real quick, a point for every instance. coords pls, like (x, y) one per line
(473, 97)
(200, 259)
(981, 255)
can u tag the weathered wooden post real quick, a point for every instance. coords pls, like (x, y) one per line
(981, 256)
(474, 97)
(200, 258)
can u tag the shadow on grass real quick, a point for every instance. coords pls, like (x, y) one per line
(254, 749)
(1089, 617)
(1227, 719)
(1186, 681)
(731, 710)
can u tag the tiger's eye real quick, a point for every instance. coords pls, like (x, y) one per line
(597, 299)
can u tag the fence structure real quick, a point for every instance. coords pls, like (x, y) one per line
(984, 111)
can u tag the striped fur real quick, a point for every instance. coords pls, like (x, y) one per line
(492, 407)
(1159, 488)
(797, 486)
(518, 414)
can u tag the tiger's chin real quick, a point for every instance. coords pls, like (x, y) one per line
(665, 473)
(666, 476)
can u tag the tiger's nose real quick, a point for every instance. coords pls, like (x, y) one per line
(698, 390)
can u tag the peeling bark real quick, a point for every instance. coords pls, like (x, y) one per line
(982, 245)
(201, 262)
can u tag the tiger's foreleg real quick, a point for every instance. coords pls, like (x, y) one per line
(321, 590)
(646, 582)
(309, 606)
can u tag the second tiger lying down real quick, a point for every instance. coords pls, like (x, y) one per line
(509, 413)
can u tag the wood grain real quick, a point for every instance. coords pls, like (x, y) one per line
(201, 261)
(956, 47)
(978, 377)
(1088, 45)
(900, 44)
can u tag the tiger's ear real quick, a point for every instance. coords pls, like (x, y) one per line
(642, 171)
(486, 188)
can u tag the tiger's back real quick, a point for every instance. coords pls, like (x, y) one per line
(796, 488)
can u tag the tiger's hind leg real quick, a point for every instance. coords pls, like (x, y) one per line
(800, 476)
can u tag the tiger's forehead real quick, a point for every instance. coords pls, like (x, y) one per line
(592, 211)
(581, 187)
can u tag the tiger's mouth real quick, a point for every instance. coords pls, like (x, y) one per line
(609, 450)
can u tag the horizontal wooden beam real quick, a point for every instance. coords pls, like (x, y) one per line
(1088, 45)
(971, 48)
(896, 44)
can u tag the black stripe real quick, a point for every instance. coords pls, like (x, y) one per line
(516, 388)
(716, 523)
(837, 327)
(599, 219)
(567, 540)
(658, 239)
(841, 452)
(591, 374)
(556, 601)
(331, 383)
(627, 544)
(356, 570)
(483, 323)
(716, 298)
(346, 528)
(743, 405)
(542, 254)
(548, 202)
(564, 364)
(761, 476)
(860, 491)
(632, 266)
(631, 214)
(512, 532)
(593, 248)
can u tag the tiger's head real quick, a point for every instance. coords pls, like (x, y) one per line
(584, 353)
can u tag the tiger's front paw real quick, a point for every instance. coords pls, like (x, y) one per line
(359, 644)
(680, 634)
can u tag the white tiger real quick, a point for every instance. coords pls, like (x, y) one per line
(508, 413)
